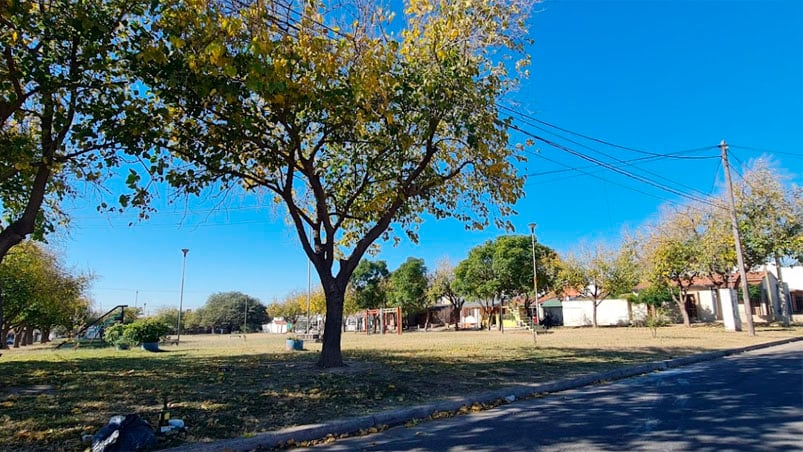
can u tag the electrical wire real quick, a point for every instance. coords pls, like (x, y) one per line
(751, 148)
(601, 141)
(611, 167)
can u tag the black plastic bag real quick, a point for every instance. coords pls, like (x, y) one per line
(124, 433)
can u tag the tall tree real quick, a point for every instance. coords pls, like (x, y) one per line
(40, 293)
(407, 287)
(770, 217)
(503, 268)
(66, 106)
(598, 272)
(475, 279)
(675, 254)
(442, 285)
(228, 310)
(357, 131)
(369, 282)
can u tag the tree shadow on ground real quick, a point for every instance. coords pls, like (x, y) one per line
(228, 396)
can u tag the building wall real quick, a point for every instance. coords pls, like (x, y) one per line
(707, 309)
(609, 312)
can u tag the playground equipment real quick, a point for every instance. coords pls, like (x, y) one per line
(93, 332)
(386, 319)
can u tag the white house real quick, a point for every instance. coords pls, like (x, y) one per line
(580, 312)
(702, 304)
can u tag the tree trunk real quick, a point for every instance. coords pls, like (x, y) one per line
(785, 311)
(3, 327)
(4, 333)
(18, 334)
(426, 322)
(594, 313)
(681, 302)
(16, 231)
(331, 355)
(45, 336)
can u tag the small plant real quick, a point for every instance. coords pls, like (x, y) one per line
(145, 330)
(655, 319)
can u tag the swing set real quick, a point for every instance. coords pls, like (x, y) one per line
(383, 320)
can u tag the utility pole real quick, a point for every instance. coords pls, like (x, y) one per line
(184, 252)
(535, 282)
(748, 310)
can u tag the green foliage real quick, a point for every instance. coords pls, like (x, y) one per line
(39, 293)
(64, 87)
(504, 266)
(442, 285)
(407, 286)
(356, 132)
(474, 277)
(656, 318)
(770, 214)
(290, 310)
(116, 335)
(369, 282)
(145, 330)
(227, 310)
(654, 295)
(754, 291)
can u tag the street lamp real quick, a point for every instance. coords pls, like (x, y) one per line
(184, 251)
(309, 293)
(535, 271)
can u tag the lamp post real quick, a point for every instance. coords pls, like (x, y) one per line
(184, 251)
(535, 275)
(309, 293)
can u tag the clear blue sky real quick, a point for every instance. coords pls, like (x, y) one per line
(661, 76)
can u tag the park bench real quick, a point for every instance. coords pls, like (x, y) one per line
(310, 336)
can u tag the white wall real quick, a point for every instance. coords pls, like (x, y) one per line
(792, 276)
(609, 312)
(706, 306)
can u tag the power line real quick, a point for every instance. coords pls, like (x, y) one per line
(597, 177)
(751, 148)
(601, 141)
(611, 167)
(656, 175)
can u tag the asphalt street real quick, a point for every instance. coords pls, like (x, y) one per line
(750, 401)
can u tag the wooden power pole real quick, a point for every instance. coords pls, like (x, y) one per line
(748, 310)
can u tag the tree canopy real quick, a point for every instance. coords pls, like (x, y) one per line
(227, 310)
(369, 283)
(407, 286)
(355, 130)
(67, 110)
(597, 271)
(504, 268)
(40, 293)
(442, 285)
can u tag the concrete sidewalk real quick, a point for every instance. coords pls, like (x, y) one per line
(400, 416)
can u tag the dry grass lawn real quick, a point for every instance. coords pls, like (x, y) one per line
(224, 386)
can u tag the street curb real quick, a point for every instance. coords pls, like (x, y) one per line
(400, 416)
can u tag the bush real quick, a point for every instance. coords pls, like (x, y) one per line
(145, 330)
(655, 320)
(115, 335)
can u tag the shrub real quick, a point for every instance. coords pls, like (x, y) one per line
(145, 330)
(115, 335)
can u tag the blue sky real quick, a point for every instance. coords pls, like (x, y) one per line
(659, 76)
